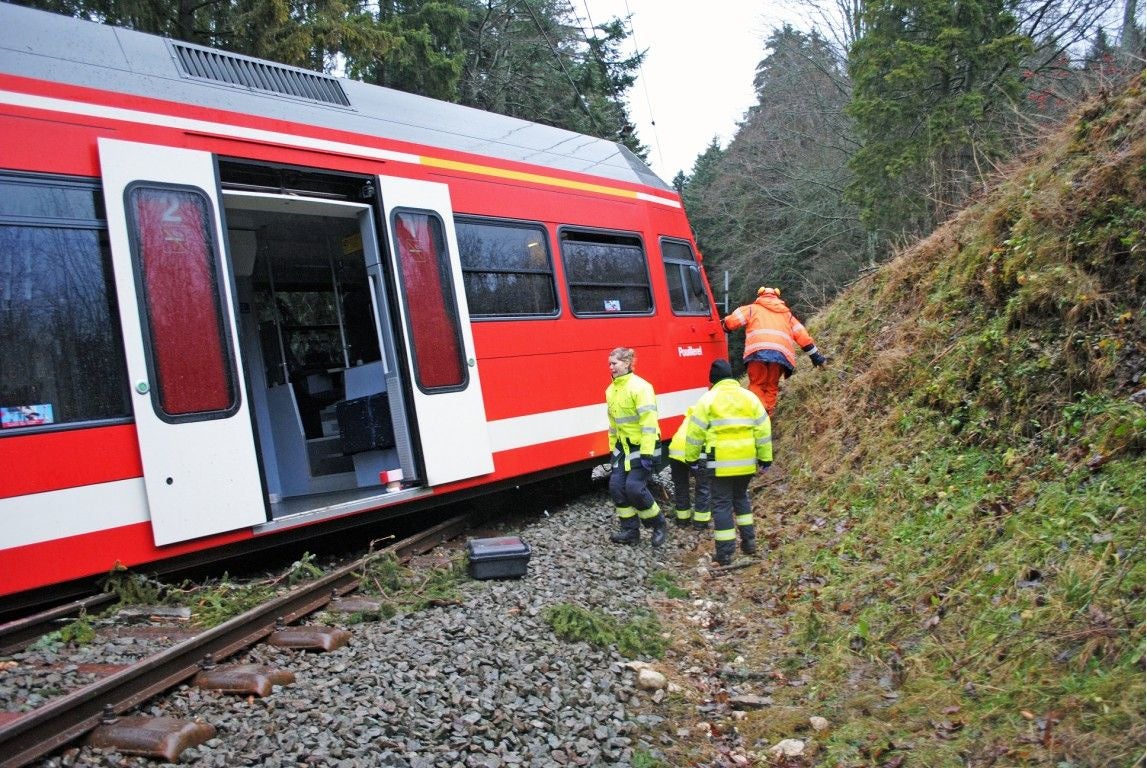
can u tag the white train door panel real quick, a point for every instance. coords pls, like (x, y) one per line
(176, 306)
(447, 392)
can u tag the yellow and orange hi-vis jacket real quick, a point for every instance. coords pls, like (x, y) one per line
(771, 331)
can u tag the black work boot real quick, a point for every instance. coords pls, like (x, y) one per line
(625, 536)
(659, 534)
(724, 552)
(683, 517)
(748, 541)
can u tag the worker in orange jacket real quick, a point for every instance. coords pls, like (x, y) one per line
(771, 331)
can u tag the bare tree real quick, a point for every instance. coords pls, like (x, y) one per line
(839, 21)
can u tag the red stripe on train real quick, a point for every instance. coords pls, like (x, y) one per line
(52, 461)
(90, 554)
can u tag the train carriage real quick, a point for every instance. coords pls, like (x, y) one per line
(242, 301)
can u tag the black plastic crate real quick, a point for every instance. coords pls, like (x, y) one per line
(364, 423)
(504, 557)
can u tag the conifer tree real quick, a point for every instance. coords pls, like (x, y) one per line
(930, 78)
(770, 209)
(532, 59)
(423, 52)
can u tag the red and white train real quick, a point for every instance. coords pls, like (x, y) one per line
(239, 301)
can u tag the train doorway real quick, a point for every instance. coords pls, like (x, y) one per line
(320, 350)
(361, 363)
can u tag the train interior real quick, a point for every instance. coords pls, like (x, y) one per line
(319, 351)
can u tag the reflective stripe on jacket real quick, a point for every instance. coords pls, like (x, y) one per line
(733, 427)
(770, 326)
(632, 408)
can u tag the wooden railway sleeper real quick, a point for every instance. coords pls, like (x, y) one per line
(168, 737)
(309, 637)
(60, 721)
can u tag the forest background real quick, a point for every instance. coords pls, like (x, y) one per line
(874, 123)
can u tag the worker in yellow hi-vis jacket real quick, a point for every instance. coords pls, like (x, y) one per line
(635, 440)
(730, 424)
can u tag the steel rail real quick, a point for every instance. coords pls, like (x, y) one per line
(16, 634)
(62, 720)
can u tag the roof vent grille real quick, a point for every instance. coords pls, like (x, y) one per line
(246, 72)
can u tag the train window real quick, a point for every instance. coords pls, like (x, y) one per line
(686, 288)
(36, 200)
(435, 331)
(177, 270)
(506, 268)
(61, 361)
(606, 274)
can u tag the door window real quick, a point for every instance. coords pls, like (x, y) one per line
(435, 334)
(177, 271)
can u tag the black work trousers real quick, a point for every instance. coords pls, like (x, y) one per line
(630, 488)
(732, 513)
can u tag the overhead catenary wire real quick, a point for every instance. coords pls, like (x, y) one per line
(640, 68)
(581, 100)
(644, 82)
(590, 49)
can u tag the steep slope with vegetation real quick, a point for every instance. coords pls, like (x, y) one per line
(955, 570)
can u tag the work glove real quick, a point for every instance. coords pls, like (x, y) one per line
(763, 465)
(646, 463)
(817, 359)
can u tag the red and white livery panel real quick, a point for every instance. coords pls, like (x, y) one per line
(241, 300)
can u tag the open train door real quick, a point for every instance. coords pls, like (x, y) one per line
(176, 306)
(446, 390)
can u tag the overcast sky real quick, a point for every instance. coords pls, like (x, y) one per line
(697, 79)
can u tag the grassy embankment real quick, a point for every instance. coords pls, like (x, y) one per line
(955, 572)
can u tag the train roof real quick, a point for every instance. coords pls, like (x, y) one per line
(62, 49)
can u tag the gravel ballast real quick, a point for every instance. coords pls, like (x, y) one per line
(480, 682)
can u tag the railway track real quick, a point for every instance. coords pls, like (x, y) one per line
(18, 633)
(98, 708)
